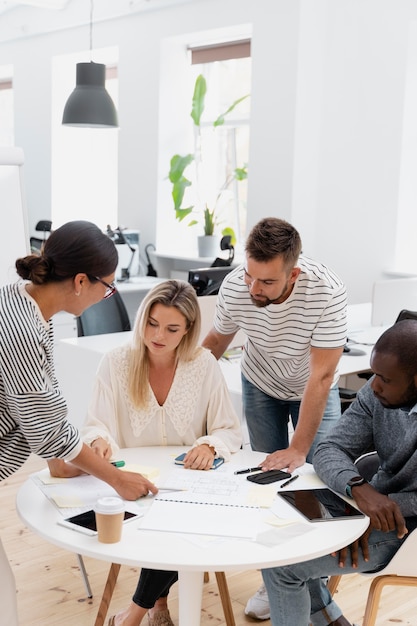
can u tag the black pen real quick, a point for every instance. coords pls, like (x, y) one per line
(287, 482)
(249, 470)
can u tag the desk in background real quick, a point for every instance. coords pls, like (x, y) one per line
(177, 266)
(78, 358)
(191, 557)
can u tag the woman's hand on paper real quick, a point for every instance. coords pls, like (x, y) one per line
(200, 458)
(131, 486)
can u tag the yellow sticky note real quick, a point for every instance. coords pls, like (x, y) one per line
(148, 472)
(262, 495)
(67, 502)
(274, 520)
(46, 478)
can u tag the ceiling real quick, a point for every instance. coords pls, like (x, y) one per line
(28, 18)
(8, 5)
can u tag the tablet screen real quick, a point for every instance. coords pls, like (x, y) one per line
(88, 519)
(320, 505)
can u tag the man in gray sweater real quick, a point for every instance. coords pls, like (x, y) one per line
(383, 418)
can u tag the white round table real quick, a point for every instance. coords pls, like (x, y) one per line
(174, 551)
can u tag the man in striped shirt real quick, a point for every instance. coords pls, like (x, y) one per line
(293, 312)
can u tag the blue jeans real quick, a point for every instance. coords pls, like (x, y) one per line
(267, 418)
(291, 600)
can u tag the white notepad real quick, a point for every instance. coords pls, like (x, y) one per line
(203, 519)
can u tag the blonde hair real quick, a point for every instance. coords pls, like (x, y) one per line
(171, 293)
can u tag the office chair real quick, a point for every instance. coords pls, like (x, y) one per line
(43, 226)
(107, 316)
(35, 245)
(405, 314)
(400, 571)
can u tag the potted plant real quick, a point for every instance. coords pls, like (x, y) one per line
(209, 216)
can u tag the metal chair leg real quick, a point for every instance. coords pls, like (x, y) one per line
(85, 576)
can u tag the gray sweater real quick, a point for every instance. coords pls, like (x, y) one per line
(366, 425)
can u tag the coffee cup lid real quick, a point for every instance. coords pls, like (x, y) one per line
(109, 505)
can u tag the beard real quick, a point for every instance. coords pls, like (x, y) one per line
(263, 301)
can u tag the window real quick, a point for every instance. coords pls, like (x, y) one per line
(227, 70)
(84, 160)
(228, 77)
(6, 106)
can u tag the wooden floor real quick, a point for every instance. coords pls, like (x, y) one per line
(51, 591)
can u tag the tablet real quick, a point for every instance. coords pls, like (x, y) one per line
(86, 522)
(320, 505)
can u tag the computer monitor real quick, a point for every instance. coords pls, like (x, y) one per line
(207, 280)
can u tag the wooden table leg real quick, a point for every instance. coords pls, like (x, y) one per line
(225, 598)
(107, 594)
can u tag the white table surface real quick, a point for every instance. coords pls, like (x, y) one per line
(191, 556)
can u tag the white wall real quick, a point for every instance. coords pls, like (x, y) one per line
(326, 117)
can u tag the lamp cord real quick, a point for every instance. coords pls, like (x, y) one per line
(91, 30)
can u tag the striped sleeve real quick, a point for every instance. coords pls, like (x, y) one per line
(33, 410)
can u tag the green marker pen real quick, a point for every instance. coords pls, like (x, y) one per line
(118, 463)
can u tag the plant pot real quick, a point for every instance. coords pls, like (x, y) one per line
(208, 246)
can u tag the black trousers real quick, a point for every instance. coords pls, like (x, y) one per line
(153, 584)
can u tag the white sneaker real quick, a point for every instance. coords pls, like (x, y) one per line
(257, 606)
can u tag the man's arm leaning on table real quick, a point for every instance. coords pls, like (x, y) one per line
(323, 364)
(216, 342)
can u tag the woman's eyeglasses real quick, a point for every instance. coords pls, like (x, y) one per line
(111, 288)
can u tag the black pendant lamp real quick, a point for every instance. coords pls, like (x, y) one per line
(90, 105)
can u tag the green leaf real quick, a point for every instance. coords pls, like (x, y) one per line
(199, 95)
(177, 166)
(209, 221)
(220, 119)
(241, 173)
(178, 189)
(180, 214)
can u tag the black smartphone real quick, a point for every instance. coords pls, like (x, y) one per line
(271, 476)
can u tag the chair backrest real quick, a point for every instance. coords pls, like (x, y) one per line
(107, 316)
(367, 464)
(36, 245)
(405, 314)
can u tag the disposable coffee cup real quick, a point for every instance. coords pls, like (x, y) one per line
(109, 519)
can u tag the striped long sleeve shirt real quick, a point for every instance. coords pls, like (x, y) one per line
(33, 412)
(279, 336)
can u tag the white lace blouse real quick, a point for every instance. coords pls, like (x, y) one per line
(197, 410)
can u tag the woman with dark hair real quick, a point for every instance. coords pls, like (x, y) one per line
(74, 270)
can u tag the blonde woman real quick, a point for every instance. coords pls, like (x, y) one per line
(162, 389)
